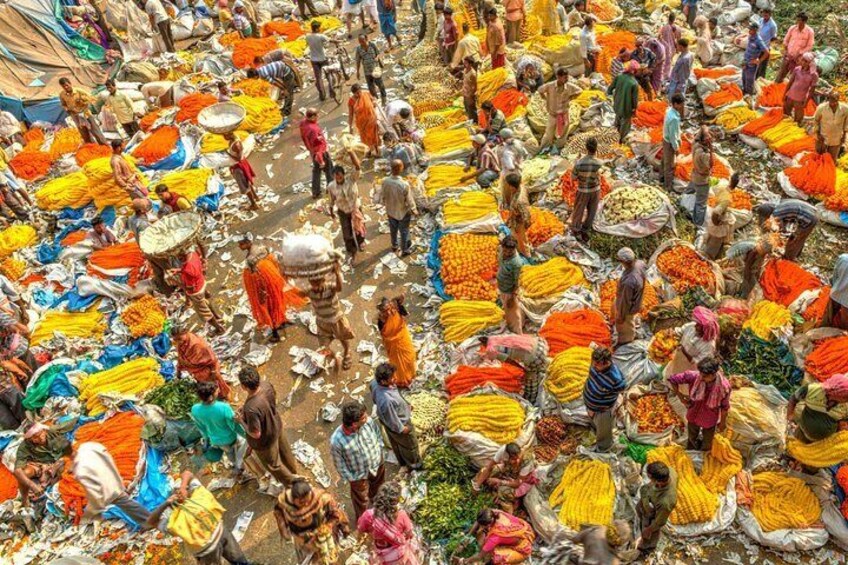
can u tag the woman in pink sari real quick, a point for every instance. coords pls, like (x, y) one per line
(503, 539)
(668, 36)
(390, 528)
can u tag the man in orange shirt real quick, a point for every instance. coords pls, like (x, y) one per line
(514, 19)
(495, 39)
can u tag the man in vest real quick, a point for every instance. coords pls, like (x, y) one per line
(194, 515)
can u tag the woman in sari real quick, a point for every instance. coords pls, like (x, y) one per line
(313, 520)
(362, 113)
(668, 36)
(698, 341)
(390, 529)
(503, 539)
(266, 287)
(391, 321)
(197, 358)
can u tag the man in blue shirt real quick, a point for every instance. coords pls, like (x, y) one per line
(281, 75)
(768, 34)
(682, 69)
(600, 393)
(754, 54)
(395, 415)
(671, 139)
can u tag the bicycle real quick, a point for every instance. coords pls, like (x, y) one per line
(336, 71)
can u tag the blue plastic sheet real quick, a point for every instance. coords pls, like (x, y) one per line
(114, 355)
(153, 489)
(168, 369)
(173, 161)
(211, 202)
(5, 441)
(77, 303)
(162, 344)
(61, 386)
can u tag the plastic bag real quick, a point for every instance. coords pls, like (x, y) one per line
(307, 250)
(634, 364)
(643, 227)
(757, 419)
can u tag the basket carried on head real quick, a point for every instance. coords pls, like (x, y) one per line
(308, 256)
(171, 235)
(221, 118)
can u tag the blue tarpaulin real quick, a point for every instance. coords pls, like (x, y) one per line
(173, 161)
(48, 15)
(153, 489)
(49, 110)
(211, 202)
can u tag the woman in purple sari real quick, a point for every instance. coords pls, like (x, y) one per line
(668, 36)
(658, 49)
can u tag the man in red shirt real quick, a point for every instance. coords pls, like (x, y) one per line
(193, 281)
(316, 143)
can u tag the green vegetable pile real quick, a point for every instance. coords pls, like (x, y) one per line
(765, 362)
(448, 510)
(175, 397)
(444, 464)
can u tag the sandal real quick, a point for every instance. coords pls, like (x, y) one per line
(347, 363)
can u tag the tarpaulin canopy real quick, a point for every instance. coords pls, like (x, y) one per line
(48, 14)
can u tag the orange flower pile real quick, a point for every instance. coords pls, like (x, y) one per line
(772, 96)
(121, 436)
(568, 187)
(685, 268)
(815, 311)
(804, 145)
(650, 114)
(580, 328)
(714, 73)
(229, 39)
(8, 484)
(157, 145)
(610, 44)
(609, 290)
(507, 377)
(291, 30)
(469, 264)
(838, 201)
(191, 105)
(739, 200)
(784, 281)
(604, 10)
(66, 140)
(728, 93)
(509, 101)
(34, 135)
(91, 151)
(683, 169)
(255, 87)
(815, 175)
(543, 226)
(73, 238)
(654, 414)
(828, 358)
(31, 165)
(248, 49)
(149, 119)
(119, 256)
(764, 123)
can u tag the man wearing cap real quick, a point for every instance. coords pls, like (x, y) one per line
(488, 167)
(39, 459)
(755, 51)
(628, 297)
(509, 269)
(831, 125)
(802, 83)
(768, 35)
(557, 94)
(798, 40)
(625, 91)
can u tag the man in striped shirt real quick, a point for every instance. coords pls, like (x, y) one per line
(587, 173)
(600, 393)
(281, 75)
(357, 450)
(486, 160)
(331, 320)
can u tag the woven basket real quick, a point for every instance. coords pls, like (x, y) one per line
(221, 118)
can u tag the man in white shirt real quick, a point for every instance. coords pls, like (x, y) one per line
(160, 20)
(345, 203)
(588, 48)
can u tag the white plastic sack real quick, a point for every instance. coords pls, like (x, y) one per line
(182, 26)
(542, 517)
(634, 364)
(481, 449)
(753, 142)
(643, 227)
(277, 8)
(305, 250)
(203, 27)
(754, 432)
(838, 219)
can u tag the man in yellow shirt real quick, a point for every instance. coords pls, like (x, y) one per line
(121, 106)
(831, 125)
(77, 103)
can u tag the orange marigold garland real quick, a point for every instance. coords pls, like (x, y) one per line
(157, 145)
(149, 119)
(31, 165)
(650, 114)
(91, 151)
(739, 200)
(292, 30)
(828, 358)
(248, 49)
(580, 328)
(568, 187)
(544, 225)
(815, 175)
(685, 268)
(609, 290)
(191, 105)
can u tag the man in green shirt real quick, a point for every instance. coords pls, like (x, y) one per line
(509, 269)
(217, 424)
(656, 501)
(39, 460)
(625, 91)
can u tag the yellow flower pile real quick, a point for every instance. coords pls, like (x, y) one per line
(263, 114)
(445, 175)
(464, 318)
(549, 43)
(440, 142)
(721, 464)
(587, 494)
(69, 324)
(144, 317)
(13, 268)
(130, 378)
(214, 143)
(190, 183)
(695, 502)
(432, 95)
(589, 97)
(328, 23)
(15, 237)
(66, 140)
(469, 207)
(766, 317)
(496, 417)
(783, 502)
(489, 83)
(568, 372)
(253, 87)
(823, 453)
(549, 278)
(101, 182)
(443, 118)
(749, 409)
(533, 170)
(784, 132)
(66, 191)
(736, 117)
